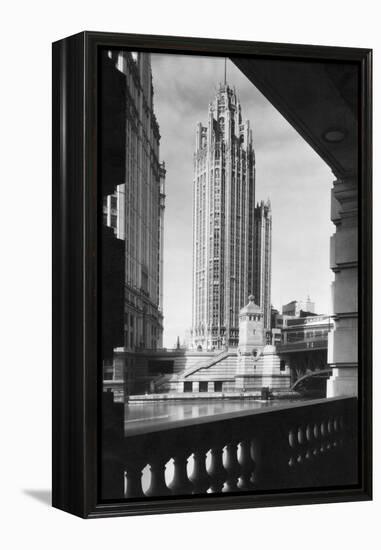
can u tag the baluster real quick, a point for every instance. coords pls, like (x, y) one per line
(233, 467)
(335, 428)
(158, 486)
(315, 439)
(300, 449)
(134, 481)
(200, 478)
(217, 472)
(292, 438)
(247, 466)
(180, 483)
(309, 446)
(283, 461)
(323, 436)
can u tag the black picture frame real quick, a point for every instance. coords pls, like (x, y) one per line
(76, 395)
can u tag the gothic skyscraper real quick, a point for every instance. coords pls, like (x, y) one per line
(262, 272)
(223, 222)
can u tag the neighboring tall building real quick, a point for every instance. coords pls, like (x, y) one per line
(136, 210)
(223, 222)
(161, 233)
(262, 260)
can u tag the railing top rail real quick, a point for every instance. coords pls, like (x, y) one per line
(243, 414)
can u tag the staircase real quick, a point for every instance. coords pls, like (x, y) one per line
(192, 359)
(192, 366)
(207, 364)
(161, 382)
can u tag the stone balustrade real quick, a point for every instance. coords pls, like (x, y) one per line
(300, 445)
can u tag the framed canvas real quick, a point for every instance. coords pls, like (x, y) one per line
(211, 274)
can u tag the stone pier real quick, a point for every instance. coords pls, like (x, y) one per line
(343, 340)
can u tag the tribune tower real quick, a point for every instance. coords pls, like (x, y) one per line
(223, 222)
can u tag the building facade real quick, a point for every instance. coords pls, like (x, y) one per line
(262, 259)
(136, 210)
(223, 222)
(306, 329)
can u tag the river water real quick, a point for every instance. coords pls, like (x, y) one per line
(151, 413)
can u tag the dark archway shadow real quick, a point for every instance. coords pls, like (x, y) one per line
(42, 495)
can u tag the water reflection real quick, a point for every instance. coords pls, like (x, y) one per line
(156, 412)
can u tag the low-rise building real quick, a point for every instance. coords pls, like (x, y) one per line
(296, 306)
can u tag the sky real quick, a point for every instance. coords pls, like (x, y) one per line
(288, 172)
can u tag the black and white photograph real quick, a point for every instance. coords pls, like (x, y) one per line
(228, 215)
(190, 235)
(189, 242)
